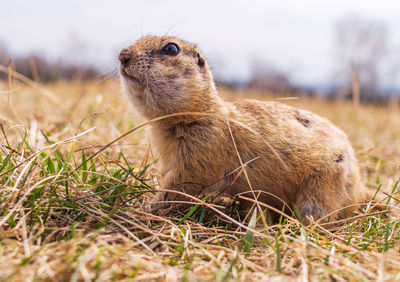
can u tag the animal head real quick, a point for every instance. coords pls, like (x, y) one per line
(164, 75)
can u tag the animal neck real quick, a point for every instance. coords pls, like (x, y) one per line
(201, 109)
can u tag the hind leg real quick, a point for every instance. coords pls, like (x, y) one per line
(320, 196)
(336, 189)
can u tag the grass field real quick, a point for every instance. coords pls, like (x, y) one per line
(73, 197)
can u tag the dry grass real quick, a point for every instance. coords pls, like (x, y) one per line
(71, 212)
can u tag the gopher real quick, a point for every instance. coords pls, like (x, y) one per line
(292, 157)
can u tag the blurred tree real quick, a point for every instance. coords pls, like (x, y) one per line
(266, 77)
(3, 59)
(39, 68)
(73, 64)
(361, 48)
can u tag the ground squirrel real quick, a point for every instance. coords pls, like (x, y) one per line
(293, 156)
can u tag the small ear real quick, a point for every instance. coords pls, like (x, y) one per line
(200, 60)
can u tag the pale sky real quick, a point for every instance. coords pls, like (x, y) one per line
(292, 35)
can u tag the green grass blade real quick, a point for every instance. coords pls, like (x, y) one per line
(5, 135)
(50, 166)
(189, 214)
(247, 241)
(84, 167)
(4, 164)
(278, 264)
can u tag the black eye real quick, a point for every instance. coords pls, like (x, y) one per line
(171, 49)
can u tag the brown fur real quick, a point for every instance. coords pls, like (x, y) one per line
(297, 156)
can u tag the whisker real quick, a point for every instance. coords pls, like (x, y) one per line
(110, 71)
(172, 26)
(113, 72)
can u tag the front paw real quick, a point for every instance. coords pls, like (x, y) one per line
(310, 211)
(157, 202)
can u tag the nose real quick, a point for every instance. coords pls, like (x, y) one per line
(125, 55)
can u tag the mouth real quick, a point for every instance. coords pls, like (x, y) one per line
(129, 76)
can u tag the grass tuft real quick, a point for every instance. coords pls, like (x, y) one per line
(74, 187)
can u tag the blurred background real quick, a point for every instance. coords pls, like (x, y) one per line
(334, 49)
